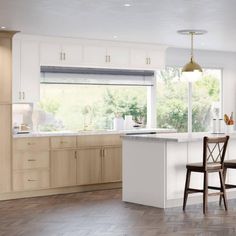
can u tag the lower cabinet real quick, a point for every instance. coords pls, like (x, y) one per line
(112, 164)
(89, 164)
(30, 180)
(63, 168)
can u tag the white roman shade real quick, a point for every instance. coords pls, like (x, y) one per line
(96, 76)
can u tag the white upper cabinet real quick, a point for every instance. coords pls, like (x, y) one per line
(95, 56)
(106, 56)
(152, 59)
(50, 54)
(60, 54)
(118, 56)
(26, 71)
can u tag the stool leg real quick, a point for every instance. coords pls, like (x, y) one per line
(205, 192)
(222, 185)
(187, 182)
(224, 176)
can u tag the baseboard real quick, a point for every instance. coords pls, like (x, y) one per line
(64, 190)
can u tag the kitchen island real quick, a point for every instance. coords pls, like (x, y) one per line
(154, 168)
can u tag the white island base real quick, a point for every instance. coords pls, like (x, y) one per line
(154, 168)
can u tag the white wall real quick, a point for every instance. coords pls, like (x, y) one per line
(211, 59)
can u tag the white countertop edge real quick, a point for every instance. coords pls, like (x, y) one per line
(176, 137)
(102, 132)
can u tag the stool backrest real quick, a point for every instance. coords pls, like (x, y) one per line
(214, 150)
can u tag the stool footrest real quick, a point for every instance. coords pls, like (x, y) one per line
(214, 188)
(227, 186)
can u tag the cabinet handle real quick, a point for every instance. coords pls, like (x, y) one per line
(63, 142)
(64, 56)
(32, 180)
(23, 95)
(146, 61)
(149, 61)
(75, 154)
(109, 58)
(31, 143)
(104, 153)
(101, 153)
(19, 95)
(31, 160)
(106, 58)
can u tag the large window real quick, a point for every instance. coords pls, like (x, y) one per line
(172, 98)
(91, 107)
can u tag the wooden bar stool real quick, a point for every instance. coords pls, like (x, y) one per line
(213, 160)
(229, 164)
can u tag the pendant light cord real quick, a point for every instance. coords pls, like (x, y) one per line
(191, 45)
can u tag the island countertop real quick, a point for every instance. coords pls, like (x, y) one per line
(176, 137)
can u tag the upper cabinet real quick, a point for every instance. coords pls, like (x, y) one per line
(52, 54)
(26, 71)
(144, 58)
(106, 56)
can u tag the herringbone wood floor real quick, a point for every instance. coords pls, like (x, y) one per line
(102, 213)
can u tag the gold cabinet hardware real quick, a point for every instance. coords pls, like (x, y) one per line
(30, 143)
(31, 160)
(149, 61)
(32, 180)
(146, 60)
(75, 154)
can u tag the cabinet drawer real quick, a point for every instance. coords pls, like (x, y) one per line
(98, 140)
(30, 180)
(31, 144)
(30, 159)
(63, 142)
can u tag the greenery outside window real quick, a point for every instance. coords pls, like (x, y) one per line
(172, 92)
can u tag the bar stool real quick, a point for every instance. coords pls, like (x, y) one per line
(213, 160)
(229, 164)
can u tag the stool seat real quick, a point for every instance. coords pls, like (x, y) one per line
(200, 167)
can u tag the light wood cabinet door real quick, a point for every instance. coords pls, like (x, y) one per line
(30, 160)
(63, 142)
(5, 70)
(5, 149)
(89, 166)
(111, 164)
(63, 168)
(31, 144)
(98, 140)
(30, 180)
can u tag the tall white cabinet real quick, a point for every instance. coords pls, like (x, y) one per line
(26, 71)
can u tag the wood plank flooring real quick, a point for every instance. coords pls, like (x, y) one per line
(102, 213)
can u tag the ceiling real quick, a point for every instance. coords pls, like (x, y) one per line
(154, 21)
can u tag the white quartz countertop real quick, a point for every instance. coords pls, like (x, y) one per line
(175, 137)
(97, 132)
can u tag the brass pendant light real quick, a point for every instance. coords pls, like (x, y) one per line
(192, 66)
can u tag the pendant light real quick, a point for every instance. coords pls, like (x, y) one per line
(192, 66)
